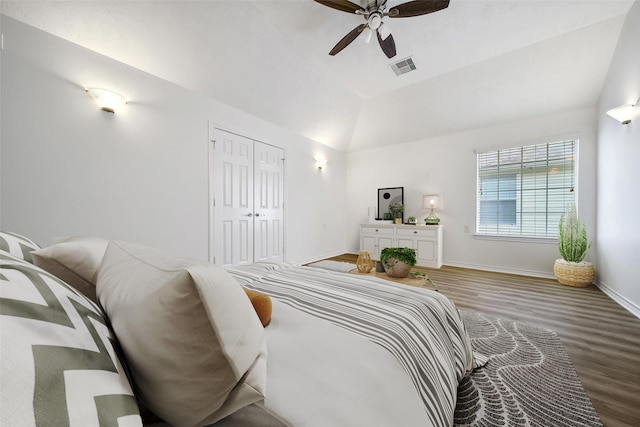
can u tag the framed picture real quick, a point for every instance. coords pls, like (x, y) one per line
(387, 196)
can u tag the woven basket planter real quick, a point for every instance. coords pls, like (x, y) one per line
(579, 274)
(398, 268)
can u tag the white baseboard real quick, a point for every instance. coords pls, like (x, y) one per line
(318, 257)
(630, 306)
(519, 272)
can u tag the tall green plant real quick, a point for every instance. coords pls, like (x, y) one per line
(572, 236)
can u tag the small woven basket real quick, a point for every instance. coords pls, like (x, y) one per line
(396, 268)
(579, 274)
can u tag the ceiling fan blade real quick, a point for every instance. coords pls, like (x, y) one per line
(417, 8)
(346, 40)
(343, 5)
(388, 45)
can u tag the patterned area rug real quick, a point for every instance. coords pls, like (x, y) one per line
(529, 379)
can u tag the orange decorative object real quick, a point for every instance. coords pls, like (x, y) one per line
(364, 262)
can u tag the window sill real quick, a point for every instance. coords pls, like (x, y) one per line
(519, 239)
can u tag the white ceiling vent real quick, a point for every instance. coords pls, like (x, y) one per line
(403, 66)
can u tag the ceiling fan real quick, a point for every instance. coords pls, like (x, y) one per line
(373, 15)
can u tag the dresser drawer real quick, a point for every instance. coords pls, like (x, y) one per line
(377, 231)
(417, 232)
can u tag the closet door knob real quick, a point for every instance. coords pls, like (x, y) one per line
(249, 214)
(257, 214)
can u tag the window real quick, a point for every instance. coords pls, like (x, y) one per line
(523, 191)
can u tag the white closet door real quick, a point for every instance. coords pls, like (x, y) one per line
(247, 184)
(268, 197)
(233, 199)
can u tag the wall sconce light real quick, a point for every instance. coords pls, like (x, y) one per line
(321, 163)
(432, 201)
(107, 100)
(623, 113)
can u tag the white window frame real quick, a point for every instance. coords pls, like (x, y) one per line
(546, 181)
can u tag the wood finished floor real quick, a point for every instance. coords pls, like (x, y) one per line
(601, 337)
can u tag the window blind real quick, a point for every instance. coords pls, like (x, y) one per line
(523, 191)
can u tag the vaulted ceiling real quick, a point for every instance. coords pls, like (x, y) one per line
(479, 62)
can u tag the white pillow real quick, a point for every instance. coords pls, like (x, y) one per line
(190, 335)
(74, 260)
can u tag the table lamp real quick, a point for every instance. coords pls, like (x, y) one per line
(432, 201)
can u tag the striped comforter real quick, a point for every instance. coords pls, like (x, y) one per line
(421, 328)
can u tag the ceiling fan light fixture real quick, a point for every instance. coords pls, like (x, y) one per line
(366, 34)
(375, 20)
(373, 14)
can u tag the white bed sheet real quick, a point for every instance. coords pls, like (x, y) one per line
(321, 375)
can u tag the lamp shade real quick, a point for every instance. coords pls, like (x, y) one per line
(623, 113)
(431, 201)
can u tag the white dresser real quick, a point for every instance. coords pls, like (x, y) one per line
(425, 239)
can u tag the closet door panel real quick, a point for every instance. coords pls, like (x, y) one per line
(233, 199)
(269, 212)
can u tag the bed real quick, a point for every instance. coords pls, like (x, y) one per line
(179, 343)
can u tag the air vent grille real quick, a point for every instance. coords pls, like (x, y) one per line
(403, 66)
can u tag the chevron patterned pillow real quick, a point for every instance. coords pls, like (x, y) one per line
(17, 245)
(59, 366)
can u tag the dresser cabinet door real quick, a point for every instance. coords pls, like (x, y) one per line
(375, 239)
(424, 241)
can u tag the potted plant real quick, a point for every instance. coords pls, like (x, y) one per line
(397, 209)
(398, 261)
(573, 245)
(412, 220)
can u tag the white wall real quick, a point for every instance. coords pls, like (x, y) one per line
(141, 175)
(1, 96)
(618, 250)
(447, 165)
